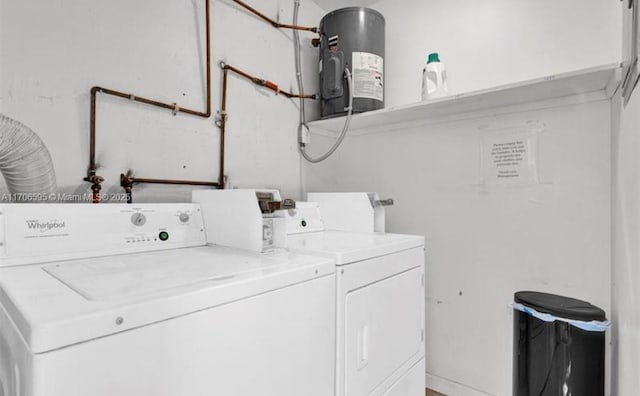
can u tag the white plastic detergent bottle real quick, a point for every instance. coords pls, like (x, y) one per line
(434, 78)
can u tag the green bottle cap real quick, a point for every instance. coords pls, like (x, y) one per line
(433, 57)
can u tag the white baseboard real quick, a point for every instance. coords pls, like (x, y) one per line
(451, 388)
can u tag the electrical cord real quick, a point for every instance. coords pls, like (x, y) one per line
(298, 63)
(303, 122)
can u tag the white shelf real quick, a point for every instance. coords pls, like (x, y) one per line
(592, 84)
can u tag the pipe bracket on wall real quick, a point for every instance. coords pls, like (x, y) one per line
(219, 117)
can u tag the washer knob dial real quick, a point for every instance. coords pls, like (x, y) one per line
(138, 219)
(184, 217)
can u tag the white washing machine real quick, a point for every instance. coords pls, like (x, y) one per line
(380, 304)
(107, 300)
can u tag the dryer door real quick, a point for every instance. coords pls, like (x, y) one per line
(384, 323)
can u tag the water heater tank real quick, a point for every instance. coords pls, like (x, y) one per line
(351, 38)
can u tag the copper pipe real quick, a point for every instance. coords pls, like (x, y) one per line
(92, 133)
(92, 178)
(267, 84)
(129, 194)
(135, 180)
(275, 23)
(91, 173)
(223, 123)
(169, 106)
(208, 56)
(127, 181)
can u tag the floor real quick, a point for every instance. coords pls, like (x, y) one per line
(433, 393)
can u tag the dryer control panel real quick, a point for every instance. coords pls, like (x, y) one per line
(303, 219)
(33, 233)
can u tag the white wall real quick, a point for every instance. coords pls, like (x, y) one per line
(625, 236)
(626, 249)
(490, 43)
(54, 52)
(483, 245)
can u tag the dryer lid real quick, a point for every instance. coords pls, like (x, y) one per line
(348, 247)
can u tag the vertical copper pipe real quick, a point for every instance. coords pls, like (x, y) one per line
(208, 44)
(223, 124)
(92, 133)
(92, 178)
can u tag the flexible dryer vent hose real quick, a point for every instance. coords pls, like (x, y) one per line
(25, 162)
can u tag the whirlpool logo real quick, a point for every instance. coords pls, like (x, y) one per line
(44, 226)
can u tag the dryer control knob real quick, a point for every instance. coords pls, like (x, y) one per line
(184, 217)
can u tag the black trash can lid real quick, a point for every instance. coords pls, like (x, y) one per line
(564, 307)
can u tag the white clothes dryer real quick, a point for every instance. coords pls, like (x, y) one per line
(380, 308)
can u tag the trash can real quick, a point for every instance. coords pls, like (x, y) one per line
(559, 346)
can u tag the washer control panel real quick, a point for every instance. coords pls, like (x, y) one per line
(159, 229)
(44, 232)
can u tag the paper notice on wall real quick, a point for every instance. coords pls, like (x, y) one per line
(509, 159)
(368, 76)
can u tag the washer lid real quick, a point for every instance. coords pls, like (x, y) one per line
(348, 247)
(60, 304)
(564, 307)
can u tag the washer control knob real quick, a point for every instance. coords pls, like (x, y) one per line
(184, 217)
(138, 219)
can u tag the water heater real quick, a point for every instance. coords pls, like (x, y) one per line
(352, 38)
